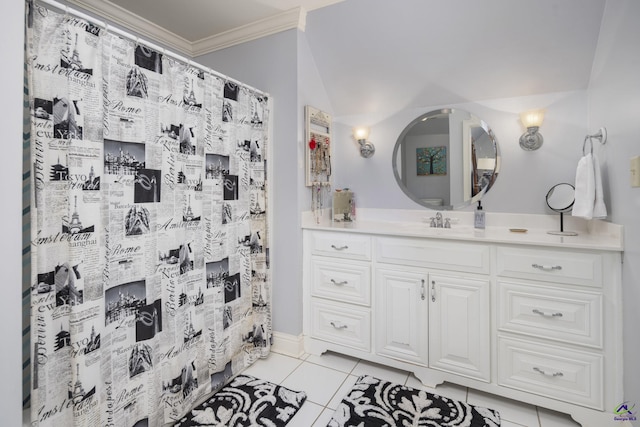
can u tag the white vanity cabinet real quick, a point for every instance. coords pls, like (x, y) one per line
(338, 305)
(550, 318)
(432, 303)
(535, 320)
(401, 314)
(459, 326)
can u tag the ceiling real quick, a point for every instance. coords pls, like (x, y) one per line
(196, 27)
(378, 56)
(381, 56)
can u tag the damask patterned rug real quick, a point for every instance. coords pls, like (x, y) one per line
(377, 403)
(246, 401)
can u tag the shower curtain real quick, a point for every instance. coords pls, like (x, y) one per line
(150, 283)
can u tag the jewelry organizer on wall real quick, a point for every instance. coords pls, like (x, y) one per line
(318, 147)
(318, 157)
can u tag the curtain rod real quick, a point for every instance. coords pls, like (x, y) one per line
(110, 28)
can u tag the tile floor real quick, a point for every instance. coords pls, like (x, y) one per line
(328, 378)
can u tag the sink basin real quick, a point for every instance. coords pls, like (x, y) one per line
(424, 228)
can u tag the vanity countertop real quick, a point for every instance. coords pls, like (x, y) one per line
(595, 234)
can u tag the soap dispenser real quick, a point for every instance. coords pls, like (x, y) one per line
(478, 217)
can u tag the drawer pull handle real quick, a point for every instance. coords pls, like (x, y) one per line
(547, 267)
(338, 326)
(433, 291)
(555, 374)
(422, 296)
(344, 282)
(542, 313)
(340, 248)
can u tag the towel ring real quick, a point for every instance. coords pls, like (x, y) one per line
(601, 136)
(584, 144)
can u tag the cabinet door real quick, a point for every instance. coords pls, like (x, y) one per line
(459, 339)
(401, 314)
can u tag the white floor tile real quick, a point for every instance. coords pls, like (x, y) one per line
(328, 378)
(342, 391)
(505, 423)
(510, 410)
(334, 361)
(306, 416)
(275, 368)
(452, 391)
(549, 418)
(380, 371)
(324, 418)
(320, 383)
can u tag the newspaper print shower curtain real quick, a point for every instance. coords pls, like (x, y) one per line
(150, 268)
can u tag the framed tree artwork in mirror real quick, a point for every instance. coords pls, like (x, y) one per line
(431, 160)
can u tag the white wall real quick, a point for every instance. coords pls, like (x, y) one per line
(311, 91)
(270, 64)
(614, 102)
(525, 177)
(11, 78)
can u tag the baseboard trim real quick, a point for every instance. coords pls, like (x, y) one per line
(287, 344)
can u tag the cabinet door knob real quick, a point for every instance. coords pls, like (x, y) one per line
(344, 282)
(542, 313)
(433, 291)
(340, 248)
(338, 325)
(547, 267)
(554, 374)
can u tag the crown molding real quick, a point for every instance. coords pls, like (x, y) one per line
(287, 20)
(104, 9)
(131, 22)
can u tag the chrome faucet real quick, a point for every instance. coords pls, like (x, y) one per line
(438, 222)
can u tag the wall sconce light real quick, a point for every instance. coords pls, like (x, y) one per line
(366, 148)
(531, 139)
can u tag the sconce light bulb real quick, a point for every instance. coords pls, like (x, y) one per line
(532, 118)
(366, 148)
(531, 140)
(360, 133)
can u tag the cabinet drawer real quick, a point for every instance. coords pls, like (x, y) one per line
(579, 268)
(343, 245)
(557, 314)
(341, 323)
(551, 371)
(433, 253)
(348, 281)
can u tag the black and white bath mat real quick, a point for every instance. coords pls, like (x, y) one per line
(246, 401)
(377, 403)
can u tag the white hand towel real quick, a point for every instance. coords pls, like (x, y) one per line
(585, 193)
(599, 208)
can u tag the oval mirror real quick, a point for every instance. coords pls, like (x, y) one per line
(446, 159)
(560, 197)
